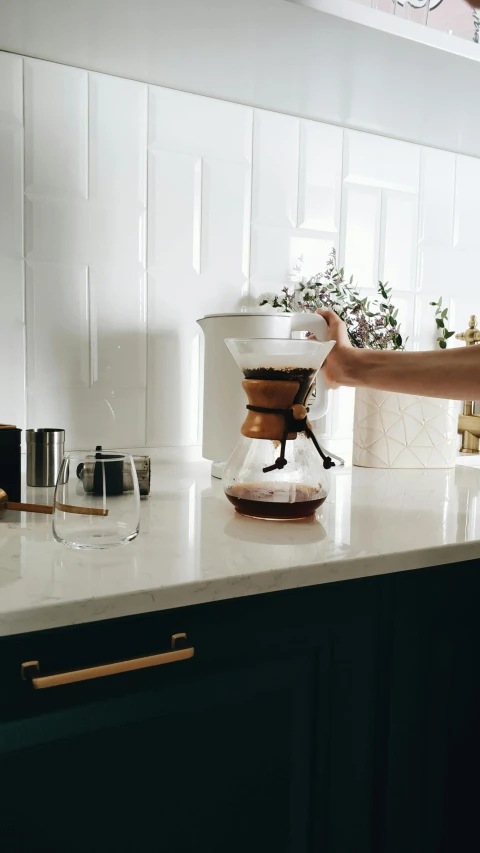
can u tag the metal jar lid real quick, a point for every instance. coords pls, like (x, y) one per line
(45, 436)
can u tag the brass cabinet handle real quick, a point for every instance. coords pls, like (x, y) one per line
(179, 651)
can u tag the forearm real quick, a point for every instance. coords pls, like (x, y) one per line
(453, 374)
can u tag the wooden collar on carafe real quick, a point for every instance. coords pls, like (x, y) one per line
(275, 414)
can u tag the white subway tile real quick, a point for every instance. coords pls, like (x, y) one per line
(56, 231)
(313, 251)
(276, 251)
(91, 416)
(437, 194)
(11, 191)
(118, 330)
(399, 232)
(173, 378)
(203, 127)
(320, 176)
(12, 375)
(448, 272)
(174, 194)
(361, 233)
(116, 235)
(56, 129)
(11, 88)
(275, 169)
(380, 162)
(198, 248)
(271, 257)
(197, 231)
(467, 203)
(225, 234)
(117, 140)
(83, 232)
(57, 315)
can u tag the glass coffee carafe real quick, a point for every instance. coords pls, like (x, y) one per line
(278, 470)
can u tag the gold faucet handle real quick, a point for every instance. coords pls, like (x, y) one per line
(471, 335)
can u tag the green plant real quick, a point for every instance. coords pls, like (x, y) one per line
(441, 319)
(371, 324)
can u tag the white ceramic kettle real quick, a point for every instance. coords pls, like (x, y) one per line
(224, 399)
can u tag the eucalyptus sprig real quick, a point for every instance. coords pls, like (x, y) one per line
(441, 318)
(371, 324)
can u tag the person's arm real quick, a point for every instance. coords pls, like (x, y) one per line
(453, 374)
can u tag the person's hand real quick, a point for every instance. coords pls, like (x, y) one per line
(334, 369)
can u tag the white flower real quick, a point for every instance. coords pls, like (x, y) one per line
(268, 297)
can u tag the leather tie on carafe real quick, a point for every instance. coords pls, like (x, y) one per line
(294, 421)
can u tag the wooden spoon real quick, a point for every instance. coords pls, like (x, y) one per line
(47, 510)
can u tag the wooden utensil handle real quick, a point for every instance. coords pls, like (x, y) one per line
(81, 510)
(47, 510)
(28, 507)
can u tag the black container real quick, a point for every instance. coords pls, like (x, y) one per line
(10, 461)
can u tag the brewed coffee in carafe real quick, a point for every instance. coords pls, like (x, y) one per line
(277, 470)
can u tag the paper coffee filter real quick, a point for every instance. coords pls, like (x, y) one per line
(280, 354)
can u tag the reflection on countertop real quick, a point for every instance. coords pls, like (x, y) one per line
(192, 547)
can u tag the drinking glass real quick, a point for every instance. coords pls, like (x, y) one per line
(97, 500)
(413, 10)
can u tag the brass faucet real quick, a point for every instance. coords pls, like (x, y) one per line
(468, 421)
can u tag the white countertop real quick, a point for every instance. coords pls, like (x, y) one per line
(193, 548)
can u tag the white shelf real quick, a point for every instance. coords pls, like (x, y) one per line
(349, 10)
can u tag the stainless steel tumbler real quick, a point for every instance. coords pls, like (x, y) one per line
(44, 455)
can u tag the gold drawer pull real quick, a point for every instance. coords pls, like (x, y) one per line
(179, 651)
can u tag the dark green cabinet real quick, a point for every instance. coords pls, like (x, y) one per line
(433, 748)
(219, 761)
(337, 719)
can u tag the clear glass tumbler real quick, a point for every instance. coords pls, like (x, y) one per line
(413, 10)
(97, 500)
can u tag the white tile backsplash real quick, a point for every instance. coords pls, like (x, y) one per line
(319, 177)
(398, 253)
(275, 169)
(56, 129)
(11, 89)
(117, 141)
(467, 203)
(437, 197)
(12, 330)
(145, 208)
(380, 162)
(11, 190)
(361, 211)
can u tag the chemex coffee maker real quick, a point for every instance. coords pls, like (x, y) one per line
(278, 470)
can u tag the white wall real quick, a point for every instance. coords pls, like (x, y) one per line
(127, 211)
(265, 53)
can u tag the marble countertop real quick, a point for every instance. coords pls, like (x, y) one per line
(193, 548)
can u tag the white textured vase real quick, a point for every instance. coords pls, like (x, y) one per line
(404, 431)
